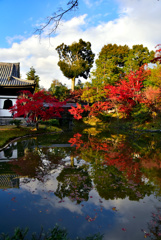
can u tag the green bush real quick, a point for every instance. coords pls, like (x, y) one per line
(56, 233)
(50, 122)
(141, 114)
(16, 122)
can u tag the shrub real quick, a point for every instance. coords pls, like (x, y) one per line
(50, 122)
(141, 113)
(56, 233)
(16, 122)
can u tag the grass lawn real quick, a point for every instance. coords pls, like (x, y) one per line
(10, 132)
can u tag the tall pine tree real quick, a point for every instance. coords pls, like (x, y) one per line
(75, 60)
(31, 75)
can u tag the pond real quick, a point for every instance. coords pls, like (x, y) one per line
(86, 182)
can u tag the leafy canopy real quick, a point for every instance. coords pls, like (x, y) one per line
(38, 106)
(122, 97)
(75, 60)
(31, 75)
(59, 90)
(115, 61)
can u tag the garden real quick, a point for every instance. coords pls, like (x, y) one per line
(99, 179)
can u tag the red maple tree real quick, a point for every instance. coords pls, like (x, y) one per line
(122, 97)
(127, 93)
(157, 56)
(76, 112)
(151, 97)
(38, 106)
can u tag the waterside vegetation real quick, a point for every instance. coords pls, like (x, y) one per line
(11, 132)
(57, 233)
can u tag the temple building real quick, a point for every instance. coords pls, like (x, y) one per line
(10, 86)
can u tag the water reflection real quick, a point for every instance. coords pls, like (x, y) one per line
(107, 184)
(154, 225)
(75, 183)
(10, 152)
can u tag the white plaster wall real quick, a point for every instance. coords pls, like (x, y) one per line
(5, 112)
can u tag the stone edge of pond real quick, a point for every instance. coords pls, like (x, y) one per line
(26, 136)
(148, 130)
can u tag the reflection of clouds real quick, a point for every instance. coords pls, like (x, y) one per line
(130, 215)
(67, 204)
(125, 206)
(46, 190)
(50, 184)
(112, 215)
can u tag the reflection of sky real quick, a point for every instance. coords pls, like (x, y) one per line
(35, 204)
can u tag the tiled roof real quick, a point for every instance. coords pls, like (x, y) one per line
(10, 75)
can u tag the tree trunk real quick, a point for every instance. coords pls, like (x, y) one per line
(73, 84)
(72, 160)
(37, 125)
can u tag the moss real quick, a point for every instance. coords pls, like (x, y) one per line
(9, 132)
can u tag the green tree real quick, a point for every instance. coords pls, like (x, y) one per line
(71, 182)
(155, 77)
(114, 61)
(54, 84)
(137, 56)
(59, 90)
(92, 94)
(31, 75)
(79, 85)
(109, 65)
(75, 60)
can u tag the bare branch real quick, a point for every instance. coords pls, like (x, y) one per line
(57, 17)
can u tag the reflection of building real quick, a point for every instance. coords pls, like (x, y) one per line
(10, 152)
(15, 150)
(10, 85)
(9, 181)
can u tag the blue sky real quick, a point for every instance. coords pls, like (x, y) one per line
(98, 21)
(19, 19)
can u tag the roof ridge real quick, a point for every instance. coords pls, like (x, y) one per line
(6, 63)
(22, 80)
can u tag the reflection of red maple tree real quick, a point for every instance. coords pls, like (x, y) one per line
(119, 156)
(27, 165)
(76, 140)
(123, 159)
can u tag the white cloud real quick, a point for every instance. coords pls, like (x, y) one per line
(138, 23)
(91, 3)
(10, 40)
(88, 3)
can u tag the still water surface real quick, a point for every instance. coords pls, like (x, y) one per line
(86, 183)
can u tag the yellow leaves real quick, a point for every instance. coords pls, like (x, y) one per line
(92, 131)
(34, 129)
(93, 121)
(154, 114)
